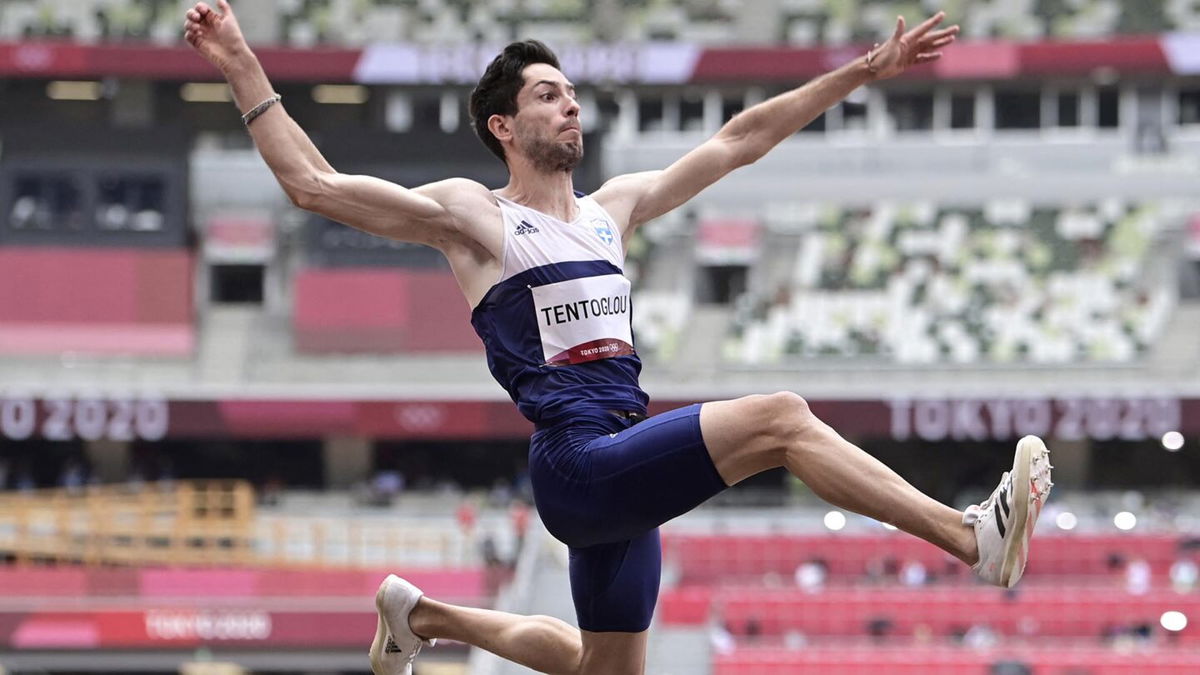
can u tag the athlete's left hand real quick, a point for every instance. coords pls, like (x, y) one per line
(904, 50)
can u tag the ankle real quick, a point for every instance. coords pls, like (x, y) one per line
(423, 618)
(969, 553)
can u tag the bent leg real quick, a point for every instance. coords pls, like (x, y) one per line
(542, 643)
(755, 433)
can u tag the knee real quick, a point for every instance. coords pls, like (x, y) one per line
(788, 417)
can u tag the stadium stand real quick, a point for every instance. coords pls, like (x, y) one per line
(856, 603)
(926, 283)
(309, 23)
(1007, 242)
(847, 559)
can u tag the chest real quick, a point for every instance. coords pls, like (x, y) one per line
(533, 240)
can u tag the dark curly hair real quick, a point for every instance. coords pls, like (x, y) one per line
(496, 93)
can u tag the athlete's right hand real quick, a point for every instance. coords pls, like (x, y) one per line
(216, 35)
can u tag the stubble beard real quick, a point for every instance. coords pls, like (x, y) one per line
(552, 156)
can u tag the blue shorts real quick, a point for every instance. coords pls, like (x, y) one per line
(602, 487)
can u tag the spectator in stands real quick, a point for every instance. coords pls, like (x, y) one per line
(543, 268)
(1137, 576)
(980, 636)
(498, 570)
(794, 639)
(753, 628)
(385, 486)
(883, 569)
(880, 628)
(811, 574)
(913, 574)
(721, 639)
(518, 514)
(467, 515)
(1184, 573)
(74, 475)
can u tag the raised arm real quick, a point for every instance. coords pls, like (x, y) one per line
(640, 197)
(424, 215)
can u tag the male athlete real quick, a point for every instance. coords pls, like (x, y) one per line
(542, 268)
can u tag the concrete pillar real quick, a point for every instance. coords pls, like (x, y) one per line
(1072, 461)
(109, 460)
(347, 461)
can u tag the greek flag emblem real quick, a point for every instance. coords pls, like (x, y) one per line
(603, 231)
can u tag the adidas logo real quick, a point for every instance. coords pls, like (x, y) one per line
(1002, 508)
(391, 647)
(525, 228)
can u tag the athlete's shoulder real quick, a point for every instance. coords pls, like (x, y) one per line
(620, 194)
(457, 189)
(626, 182)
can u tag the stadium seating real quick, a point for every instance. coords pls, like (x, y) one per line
(845, 660)
(1002, 282)
(802, 22)
(1073, 612)
(1037, 612)
(659, 319)
(703, 559)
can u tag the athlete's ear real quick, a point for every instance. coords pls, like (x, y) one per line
(501, 127)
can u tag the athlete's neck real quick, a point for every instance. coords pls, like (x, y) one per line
(550, 193)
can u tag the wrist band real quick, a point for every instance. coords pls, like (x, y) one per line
(871, 57)
(259, 109)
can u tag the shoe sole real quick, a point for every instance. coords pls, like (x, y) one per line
(1020, 486)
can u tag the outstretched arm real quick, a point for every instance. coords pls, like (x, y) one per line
(423, 215)
(749, 135)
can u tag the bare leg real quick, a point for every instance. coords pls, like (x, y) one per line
(542, 643)
(755, 433)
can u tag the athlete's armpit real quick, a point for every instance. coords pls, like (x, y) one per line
(620, 195)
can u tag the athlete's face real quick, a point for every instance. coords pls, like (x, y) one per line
(546, 127)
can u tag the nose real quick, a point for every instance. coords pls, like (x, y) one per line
(572, 106)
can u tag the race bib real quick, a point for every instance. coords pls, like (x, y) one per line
(584, 320)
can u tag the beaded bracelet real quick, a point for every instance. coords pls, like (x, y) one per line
(260, 109)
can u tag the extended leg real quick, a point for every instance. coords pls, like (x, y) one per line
(755, 433)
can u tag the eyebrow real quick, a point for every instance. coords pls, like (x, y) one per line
(552, 83)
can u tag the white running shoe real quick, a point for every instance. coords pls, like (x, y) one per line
(395, 645)
(1004, 522)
